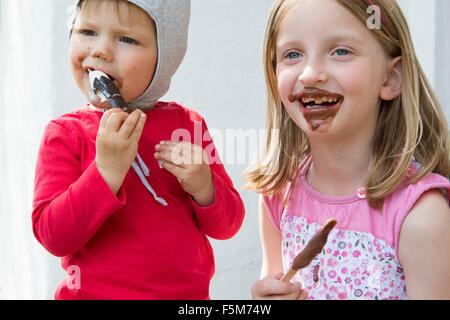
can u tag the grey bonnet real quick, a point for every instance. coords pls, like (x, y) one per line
(171, 18)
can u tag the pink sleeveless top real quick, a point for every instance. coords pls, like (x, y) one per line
(360, 259)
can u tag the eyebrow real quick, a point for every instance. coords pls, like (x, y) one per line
(119, 29)
(345, 37)
(335, 38)
(86, 23)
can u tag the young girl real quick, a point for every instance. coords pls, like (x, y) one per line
(125, 227)
(357, 135)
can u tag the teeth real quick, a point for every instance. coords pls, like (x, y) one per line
(320, 100)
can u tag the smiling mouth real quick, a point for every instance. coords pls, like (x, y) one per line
(318, 106)
(315, 99)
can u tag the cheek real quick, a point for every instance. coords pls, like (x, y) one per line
(286, 80)
(137, 72)
(77, 51)
(141, 66)
(76, 56)
(360, 82)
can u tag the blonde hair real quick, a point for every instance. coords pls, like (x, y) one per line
(81, 8)
(412, 126)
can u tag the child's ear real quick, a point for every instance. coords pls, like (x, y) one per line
(392, 86)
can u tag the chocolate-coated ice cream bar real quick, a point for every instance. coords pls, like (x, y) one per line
(312, 249)
(104, 88)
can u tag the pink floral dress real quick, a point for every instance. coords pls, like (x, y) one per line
(360, 259)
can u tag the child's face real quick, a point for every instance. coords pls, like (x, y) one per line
(322, 45)
(117, 38)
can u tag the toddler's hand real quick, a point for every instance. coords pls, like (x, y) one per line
(272, 288)
(189, 164)
(117, 143)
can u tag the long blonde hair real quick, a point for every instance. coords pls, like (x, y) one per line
(410, 126)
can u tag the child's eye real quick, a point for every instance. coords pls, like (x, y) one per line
(128, 40)
(87, 32)
(293, 55)
(342, 52)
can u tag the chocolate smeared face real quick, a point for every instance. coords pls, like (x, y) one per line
(319, 107)
(118, 39)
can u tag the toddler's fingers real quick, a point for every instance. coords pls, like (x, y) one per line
(173, 169)
(194, 154)
(137, 132)
(169, 145)
(165, 145)
(170, 156)
(130, 123)
(183, 153)
(115, 120)
(105, 118)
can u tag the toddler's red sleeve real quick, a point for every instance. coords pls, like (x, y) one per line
(223, 219)
(69, 204)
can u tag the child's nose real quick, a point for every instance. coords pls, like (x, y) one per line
(312, 75)
(102, 50)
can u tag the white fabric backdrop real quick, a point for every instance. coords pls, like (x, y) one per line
(25, 105)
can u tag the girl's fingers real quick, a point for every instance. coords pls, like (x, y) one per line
(279, 275)
(304, 295)
(274, 287)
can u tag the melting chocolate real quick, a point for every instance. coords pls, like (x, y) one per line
(317, 114)
(105, 88)
(312, 249)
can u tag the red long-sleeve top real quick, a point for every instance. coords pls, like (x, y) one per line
(128, 246)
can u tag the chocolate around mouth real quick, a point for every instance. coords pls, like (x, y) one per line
(322, 106)
(314, 93)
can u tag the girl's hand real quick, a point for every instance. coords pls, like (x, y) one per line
(117, 143)
(272, 288)
(189, 164)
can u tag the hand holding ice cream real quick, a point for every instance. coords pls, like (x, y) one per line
(117, 144)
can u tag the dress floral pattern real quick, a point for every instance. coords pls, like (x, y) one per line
(352, 265)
